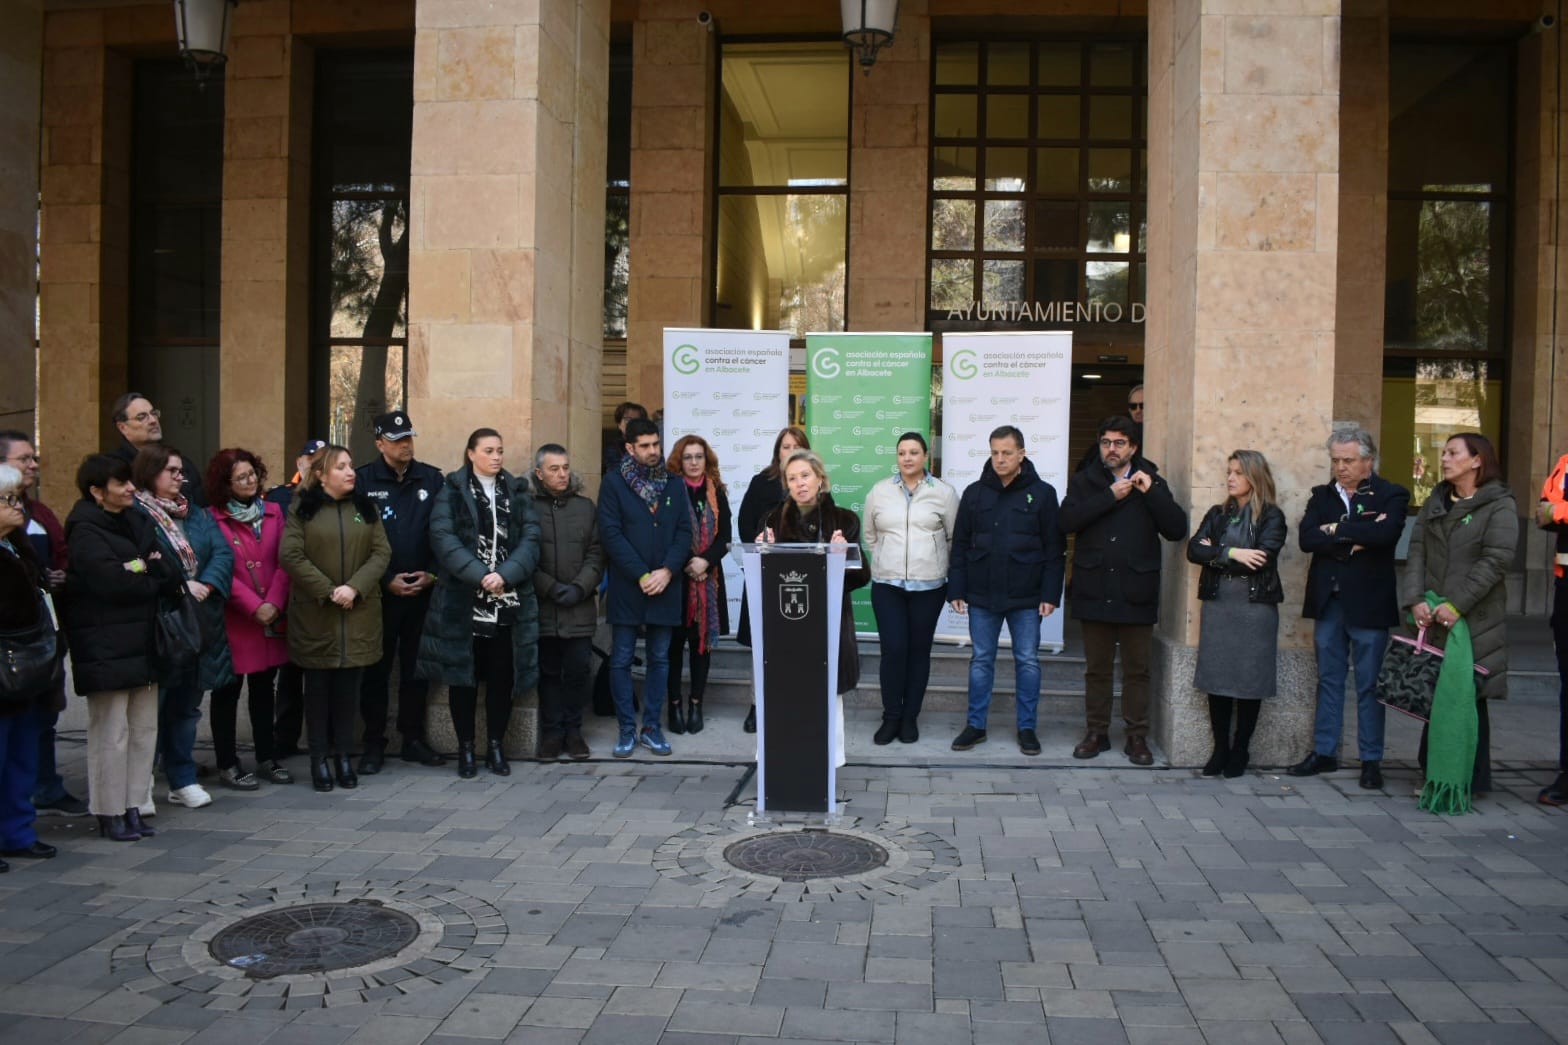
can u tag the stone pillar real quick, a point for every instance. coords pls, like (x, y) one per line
(506, 264)
(84, 180)
(1244, 136)
(264, 334)
(889, 128)
(21, 74)
(673, 69)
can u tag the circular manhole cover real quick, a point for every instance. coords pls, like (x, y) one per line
(317, 937)
(796, 856)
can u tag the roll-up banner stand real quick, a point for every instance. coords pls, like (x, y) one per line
(732, 388)
(863, 391)
(993, 379)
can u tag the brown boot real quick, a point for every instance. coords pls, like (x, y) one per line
(1137, 751)
(1091, 745)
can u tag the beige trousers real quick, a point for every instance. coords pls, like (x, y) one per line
(122, 733)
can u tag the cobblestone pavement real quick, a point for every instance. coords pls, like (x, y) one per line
(591, 903)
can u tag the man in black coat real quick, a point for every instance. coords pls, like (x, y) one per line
(139, 424)
(1007, 564)
(405, 491)
(1350, 528)
(1120, 509)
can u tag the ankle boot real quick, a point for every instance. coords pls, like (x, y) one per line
(1236, 762)
(466, 767)
(134, 821)
(115, 829)
(1216, 761)
(321, 773)
(677, 715)
(495, 758)
(346, 778)
(694, 715)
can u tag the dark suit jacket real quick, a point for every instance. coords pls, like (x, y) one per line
(1365, 578)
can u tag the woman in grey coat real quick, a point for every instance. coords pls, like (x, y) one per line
(1462, 546)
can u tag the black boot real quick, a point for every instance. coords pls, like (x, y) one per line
(116, 829)
(1246, 722)
(495, 758)
(321, 773)
(1216, 762)
(346, 778)
(694, 716)
(134, 821)
(677, 714)
(1219, 721)
(467, 768)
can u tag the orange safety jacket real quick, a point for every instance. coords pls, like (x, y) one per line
(1553, 513)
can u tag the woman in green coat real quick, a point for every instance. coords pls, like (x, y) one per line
(334, 550)
(483, 623)
(1461, 549)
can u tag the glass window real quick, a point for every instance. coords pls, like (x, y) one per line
(359, 314)
(1425, 401)
(617, 193)
(1055, 213)
(783, 173)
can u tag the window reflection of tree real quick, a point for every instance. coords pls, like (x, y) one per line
(814, 298)
(1454, 273)
(617, 262)
(369, 286)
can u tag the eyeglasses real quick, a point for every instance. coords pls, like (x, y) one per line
(1115, 444)
(24, 459)
(243, 477)
(12, 500)
(172, 470)
(145, 416)
(1135, 406)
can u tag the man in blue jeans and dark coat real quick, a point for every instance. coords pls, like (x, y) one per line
(1007, 565)
(1351, 528)
(645, 528)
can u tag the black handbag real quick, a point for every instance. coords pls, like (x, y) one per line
(30, 661)
(178, 636)
(1408, 678)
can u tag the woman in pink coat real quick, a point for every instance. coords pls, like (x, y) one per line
(253, 616)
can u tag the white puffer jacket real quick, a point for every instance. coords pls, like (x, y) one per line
(909, 538)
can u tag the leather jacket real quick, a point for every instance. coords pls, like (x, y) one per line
(1267, 534)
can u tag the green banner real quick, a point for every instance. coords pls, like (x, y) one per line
(862, 392)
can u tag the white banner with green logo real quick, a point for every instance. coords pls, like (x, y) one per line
(862, 392)
(1021, 379)
(732, 388)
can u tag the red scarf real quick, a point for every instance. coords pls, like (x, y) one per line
(702, 597)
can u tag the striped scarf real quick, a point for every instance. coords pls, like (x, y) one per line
(702, 597)
(164, 513)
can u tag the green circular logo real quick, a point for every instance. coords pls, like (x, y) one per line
(825, 363)
(685, 360)
(964, 366)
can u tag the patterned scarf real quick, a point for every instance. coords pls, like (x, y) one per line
(164, 513)
(702, 597)
(492, 612)
(250, 514)
(646, 482)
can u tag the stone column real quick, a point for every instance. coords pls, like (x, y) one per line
(889, 143)
(506, 263)
(264, 333)
(673, 68)
(1244, 143)
(21, 74)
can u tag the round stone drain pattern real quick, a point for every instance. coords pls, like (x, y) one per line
(320, 937)
(795, 856)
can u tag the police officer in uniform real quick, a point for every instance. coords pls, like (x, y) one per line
(405, 491)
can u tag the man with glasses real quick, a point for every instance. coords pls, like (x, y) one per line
(1120, 509)
(48, 538)
(1135, 404)
(140, 424)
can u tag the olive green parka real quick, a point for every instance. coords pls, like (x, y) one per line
(327, 543)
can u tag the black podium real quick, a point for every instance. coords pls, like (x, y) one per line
(796, 594)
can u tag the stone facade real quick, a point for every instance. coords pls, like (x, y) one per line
(21, 62)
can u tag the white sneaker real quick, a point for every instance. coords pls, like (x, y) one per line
(192, 796)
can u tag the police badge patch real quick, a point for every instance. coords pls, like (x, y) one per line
(794, 596)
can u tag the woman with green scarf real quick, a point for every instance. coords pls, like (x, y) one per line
(1462, 546)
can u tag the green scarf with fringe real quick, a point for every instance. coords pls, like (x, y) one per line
(1451, 736)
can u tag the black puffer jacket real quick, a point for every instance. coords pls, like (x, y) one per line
(816, 526)
(1267, 535)
(107, 609)
(569, 553)
(1116, 561)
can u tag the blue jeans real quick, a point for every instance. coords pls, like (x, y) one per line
(50, 786)
(622, 651)
(18, 774)
(179, 712)
(1365, 646)
(985, 628)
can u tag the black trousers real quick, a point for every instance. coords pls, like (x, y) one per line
(1560, 634)
(680, 640)
(493, 667)
(402, 623)
(331, 699)
(225, 717)
(290, 708)
(563, 683)
(906, 625)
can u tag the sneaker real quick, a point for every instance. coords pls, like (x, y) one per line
(237, 779)
(65, 805)
(626, 743)
(1028, 743)
(653, 740)
(968, 738)
(192, 796)
(577, 747)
